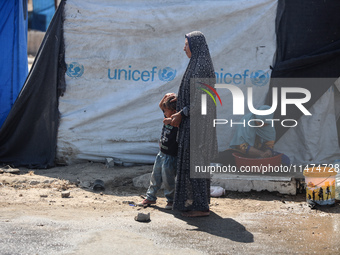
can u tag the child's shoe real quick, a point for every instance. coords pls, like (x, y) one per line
(147, 202)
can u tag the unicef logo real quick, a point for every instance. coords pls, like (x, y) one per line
(167, 74)
(75, 70)
(259, 78)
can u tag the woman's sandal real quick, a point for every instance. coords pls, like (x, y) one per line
(192, 214)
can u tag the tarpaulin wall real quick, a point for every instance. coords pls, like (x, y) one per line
(28, 136)
(123, 57)
(308, 47)
(13, 52)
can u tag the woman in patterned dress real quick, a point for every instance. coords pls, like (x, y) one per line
(192, 195)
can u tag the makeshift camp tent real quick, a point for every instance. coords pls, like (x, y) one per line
(308, 47)
(13, 52)
(28, 136)
(121, 58)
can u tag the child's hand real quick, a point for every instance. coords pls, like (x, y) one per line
(167, 121)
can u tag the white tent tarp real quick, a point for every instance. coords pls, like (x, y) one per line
(123, 57)
(315, 138)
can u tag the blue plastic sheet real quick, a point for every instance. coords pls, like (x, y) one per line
(28, 137)
(13, 52)
(43, 11)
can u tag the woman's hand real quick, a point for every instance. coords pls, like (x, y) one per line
(165, 98)
(176, 119)
(174, 98)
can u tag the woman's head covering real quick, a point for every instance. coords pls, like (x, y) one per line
(200, 66)
(247, 134)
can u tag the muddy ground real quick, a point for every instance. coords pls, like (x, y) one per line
(35, 219)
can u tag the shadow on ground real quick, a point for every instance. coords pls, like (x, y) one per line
(217, 226)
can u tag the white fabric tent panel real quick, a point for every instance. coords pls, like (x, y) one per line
(315, 139)
(104, 116)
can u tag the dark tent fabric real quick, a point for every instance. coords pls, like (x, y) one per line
(13, 53)
(308, 46)
(28, 137)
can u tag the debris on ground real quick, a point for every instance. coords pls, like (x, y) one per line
(65, 194)
(131, 203)
(9, 170)
(98, 185)
(216, 191)
(109, 163)
(143, 217)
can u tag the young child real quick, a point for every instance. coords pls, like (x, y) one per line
(165, 166)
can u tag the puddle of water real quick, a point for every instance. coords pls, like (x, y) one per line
(309, 232)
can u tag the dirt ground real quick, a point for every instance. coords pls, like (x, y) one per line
(36, 219)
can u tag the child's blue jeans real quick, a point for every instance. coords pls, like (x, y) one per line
(164, 171)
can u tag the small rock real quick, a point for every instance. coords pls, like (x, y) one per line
(43, 195)
(142, 217)
(65, 194)
(85, 184)
(11, 170)
(109, 163)
(128, 202)
(34, 183)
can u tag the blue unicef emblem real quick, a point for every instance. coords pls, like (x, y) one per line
(75, 70)
(167, 74)
(259, 78)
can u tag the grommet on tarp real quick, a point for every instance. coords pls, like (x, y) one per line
(98, 185)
